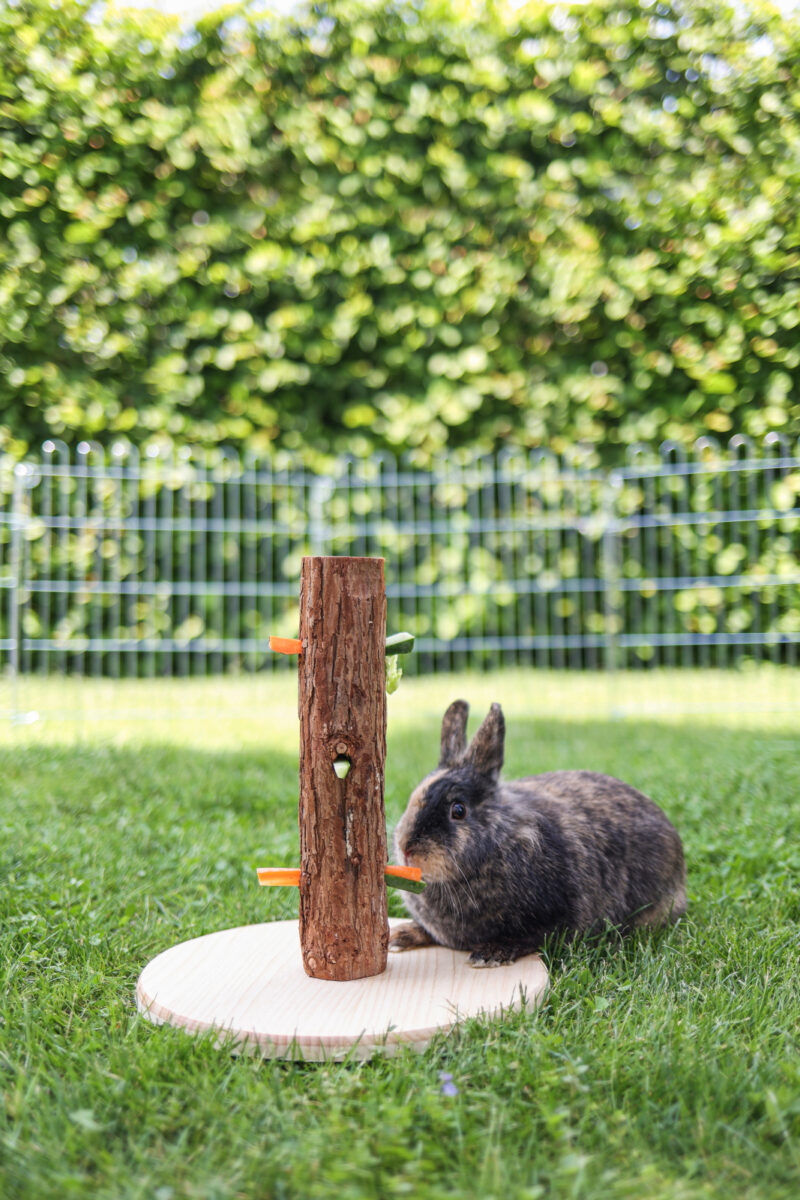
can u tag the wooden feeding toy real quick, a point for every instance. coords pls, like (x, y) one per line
(342, 994)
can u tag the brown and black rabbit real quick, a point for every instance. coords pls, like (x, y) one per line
(508, 863)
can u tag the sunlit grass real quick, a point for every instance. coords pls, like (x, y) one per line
(261, 710)
(666, 1067)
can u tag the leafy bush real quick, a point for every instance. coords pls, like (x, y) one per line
(385, 226)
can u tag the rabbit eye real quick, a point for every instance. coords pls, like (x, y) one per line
(458, 811)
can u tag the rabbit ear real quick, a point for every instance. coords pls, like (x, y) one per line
(486, 748)
(454, 734)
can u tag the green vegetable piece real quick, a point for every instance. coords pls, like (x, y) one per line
(394, 673)
(404, 885)
(341, 766)
(400, 643)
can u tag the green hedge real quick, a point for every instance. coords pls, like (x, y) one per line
(390, 226)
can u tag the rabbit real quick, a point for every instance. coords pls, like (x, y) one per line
(506, 864)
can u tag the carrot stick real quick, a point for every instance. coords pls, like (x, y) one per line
(285, 645)
(279, 876)
(405, 872)
(290, 877)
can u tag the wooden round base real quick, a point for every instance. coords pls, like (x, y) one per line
(248, 984)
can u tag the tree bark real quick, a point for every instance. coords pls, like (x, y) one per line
(344, 927)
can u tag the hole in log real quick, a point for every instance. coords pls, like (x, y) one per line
(341, 765)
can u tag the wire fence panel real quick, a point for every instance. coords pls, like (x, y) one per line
(710, 557)
(114, 566)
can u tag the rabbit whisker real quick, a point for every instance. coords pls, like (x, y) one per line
(455, 902)
(463, 875)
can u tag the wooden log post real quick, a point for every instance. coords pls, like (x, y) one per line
(344, 927)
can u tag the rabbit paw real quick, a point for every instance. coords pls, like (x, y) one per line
(491, 956)
(409, 937)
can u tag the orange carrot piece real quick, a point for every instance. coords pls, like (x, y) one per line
(279, 876)
(290, 876)
(414, 873)
(285, 645)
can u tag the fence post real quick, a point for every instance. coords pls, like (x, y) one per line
(611, 570)
(16, 584)
(320, 492)
(24, 479)
(17, 519)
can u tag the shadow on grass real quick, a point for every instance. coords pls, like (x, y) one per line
(132, 848)
(156, 806)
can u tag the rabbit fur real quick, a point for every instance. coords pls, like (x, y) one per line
(506, 863)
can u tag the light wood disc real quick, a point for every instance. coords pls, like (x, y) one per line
(249, 986)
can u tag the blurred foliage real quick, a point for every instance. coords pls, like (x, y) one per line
(387, 226)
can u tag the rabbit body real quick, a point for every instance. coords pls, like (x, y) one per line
(507, 863)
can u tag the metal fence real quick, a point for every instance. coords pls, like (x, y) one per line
(182, 564)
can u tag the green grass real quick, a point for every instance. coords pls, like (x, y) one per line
(664, 1067)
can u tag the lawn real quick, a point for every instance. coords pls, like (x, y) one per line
(667, 1067)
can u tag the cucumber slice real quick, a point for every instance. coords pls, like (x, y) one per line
(403, 885)
(400, 643)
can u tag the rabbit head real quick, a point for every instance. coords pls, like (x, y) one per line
(451, 823)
